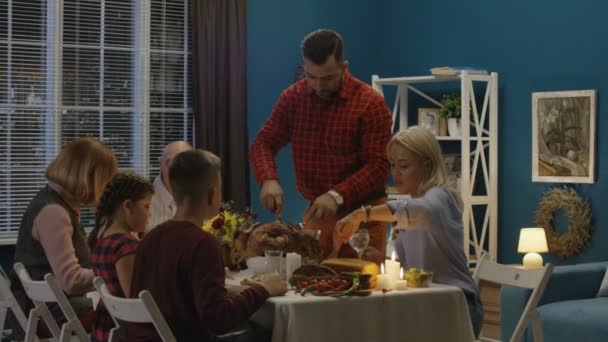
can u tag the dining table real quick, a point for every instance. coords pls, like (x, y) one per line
(435, 313)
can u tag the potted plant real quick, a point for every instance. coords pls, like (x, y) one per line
(451, 111)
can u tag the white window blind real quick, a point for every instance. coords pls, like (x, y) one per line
(113, 69)
(24, 102)
(170, 61)
(98, 58)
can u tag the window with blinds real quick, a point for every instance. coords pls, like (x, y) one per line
(170, 60)
(118, 70)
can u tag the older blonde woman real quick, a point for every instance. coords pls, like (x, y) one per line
(430, 222)
(50, 238)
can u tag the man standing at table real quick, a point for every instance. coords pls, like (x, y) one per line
(338, 128)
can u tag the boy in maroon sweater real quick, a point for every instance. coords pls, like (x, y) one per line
(181, 265)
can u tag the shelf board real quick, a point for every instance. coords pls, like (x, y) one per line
(415, 79)
(444, 138)
(396, 81)
(473, 138)
(480, 200)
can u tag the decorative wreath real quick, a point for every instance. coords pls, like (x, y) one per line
(579, 217)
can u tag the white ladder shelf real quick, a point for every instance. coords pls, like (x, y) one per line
(479, 146)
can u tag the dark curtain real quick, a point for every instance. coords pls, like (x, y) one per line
(219, 89)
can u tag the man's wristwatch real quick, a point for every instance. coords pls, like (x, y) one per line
(337, 197)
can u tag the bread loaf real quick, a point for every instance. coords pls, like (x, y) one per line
(354, 265)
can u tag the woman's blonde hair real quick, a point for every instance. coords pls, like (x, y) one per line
(83, 168)
(423, 143)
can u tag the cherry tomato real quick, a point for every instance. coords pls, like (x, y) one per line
(342, 287)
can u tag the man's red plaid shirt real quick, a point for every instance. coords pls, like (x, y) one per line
(337, 144)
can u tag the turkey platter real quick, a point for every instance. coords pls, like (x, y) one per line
(252, 239)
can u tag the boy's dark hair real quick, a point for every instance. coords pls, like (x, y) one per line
(193, 174)
(123, 186)
(318, 45)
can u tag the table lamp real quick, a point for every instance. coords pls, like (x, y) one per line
(532, 241)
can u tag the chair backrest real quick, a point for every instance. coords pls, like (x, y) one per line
(35, 290)
(534, 279)
(133, 310)
(49, 291)
(9, 302)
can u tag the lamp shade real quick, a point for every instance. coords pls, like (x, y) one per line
(532, 240)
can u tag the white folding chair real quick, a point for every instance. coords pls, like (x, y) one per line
(49, 291)
(9, 302)
(133, 310)
(534, 279)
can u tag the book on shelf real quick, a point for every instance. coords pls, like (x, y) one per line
(457, 70)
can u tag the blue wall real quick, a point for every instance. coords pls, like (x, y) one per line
(534, 46)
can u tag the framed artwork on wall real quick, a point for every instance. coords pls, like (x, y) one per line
(563, 136)
(429, 118)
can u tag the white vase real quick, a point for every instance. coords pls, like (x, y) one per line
(454, 127)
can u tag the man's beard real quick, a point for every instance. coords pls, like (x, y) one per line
(327, 95)
(332, 95)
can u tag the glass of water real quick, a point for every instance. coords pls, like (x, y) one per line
(359, 240)
(273, 261)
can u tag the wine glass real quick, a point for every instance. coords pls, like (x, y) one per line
(359, 240)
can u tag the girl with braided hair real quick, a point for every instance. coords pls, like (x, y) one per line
(122, 213)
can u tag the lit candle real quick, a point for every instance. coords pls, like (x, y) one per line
(392, 267)
(401, 284)
(384, 281)
(292, 262)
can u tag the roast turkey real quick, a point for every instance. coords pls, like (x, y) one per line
(252, 239)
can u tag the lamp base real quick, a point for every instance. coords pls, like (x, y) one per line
(533, 260)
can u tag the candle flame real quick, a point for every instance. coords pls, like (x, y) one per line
(382, 268)
(393, 256)
(401, 273)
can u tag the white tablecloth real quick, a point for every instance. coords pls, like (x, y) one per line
(438, 313)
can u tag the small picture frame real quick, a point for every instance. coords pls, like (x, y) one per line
(429, 118)
(453, 168)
